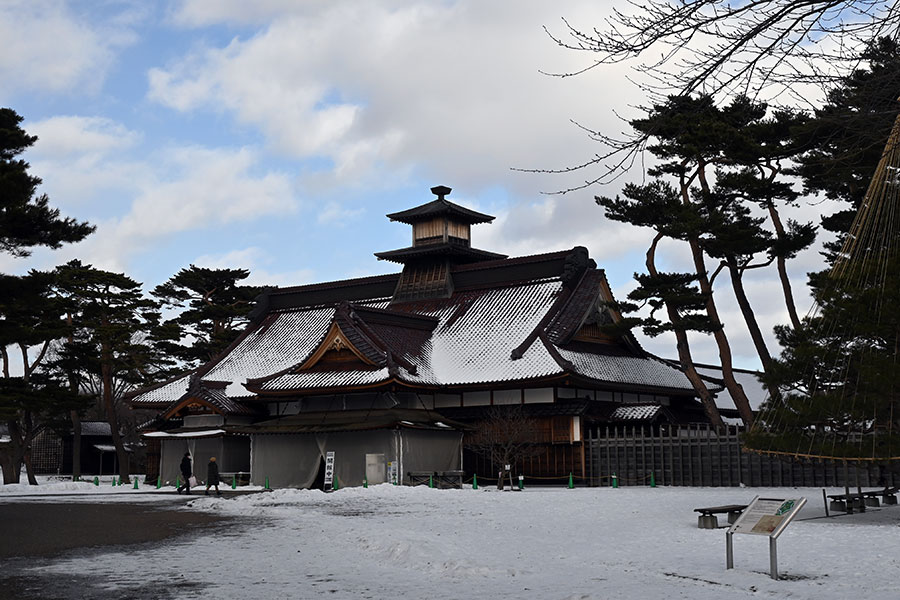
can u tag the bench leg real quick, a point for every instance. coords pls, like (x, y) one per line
(838, 505)
(707, 522)
(891, 499)
(733, 516)
(872, 501)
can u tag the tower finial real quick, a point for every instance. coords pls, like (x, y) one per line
(440, 191)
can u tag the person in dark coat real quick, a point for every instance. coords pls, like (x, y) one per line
(186, 472)
(212, 476)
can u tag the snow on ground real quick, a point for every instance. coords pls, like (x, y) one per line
(590, 543)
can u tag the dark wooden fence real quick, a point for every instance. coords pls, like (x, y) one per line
(698, 455)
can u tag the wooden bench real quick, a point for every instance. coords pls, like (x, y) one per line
(708, 519)
(441, 479)
(856, 500)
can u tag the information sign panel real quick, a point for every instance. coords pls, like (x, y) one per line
(766, 516)
(392, 472)
(329, 470)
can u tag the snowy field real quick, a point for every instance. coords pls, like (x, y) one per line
(401, 542)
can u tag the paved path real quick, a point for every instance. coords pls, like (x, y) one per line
(47, 528)
(33, 533)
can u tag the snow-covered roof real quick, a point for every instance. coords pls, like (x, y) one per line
(509, 321)
(635, 412)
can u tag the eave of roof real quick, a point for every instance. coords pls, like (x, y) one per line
(458, 252)
(439, 207)
(354, 420)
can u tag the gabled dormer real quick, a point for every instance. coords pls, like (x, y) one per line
(441, 238)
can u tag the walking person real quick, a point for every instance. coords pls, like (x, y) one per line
(186, 472)
(212, 476)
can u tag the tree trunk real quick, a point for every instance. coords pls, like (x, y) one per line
(112, 418)
(782, 270)
(13, 473)
(26, 447)
(74, 415)
(76, 445)
(8, 455)
(734, 388)
(737, 284)
(7, 466)
(684, 349)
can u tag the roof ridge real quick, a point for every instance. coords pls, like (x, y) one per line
(337, 283)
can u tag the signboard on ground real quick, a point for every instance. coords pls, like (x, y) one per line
(764, 516)
(392, 472)
(329, 471)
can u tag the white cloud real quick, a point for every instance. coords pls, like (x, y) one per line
(139, 202)
(81, 157)
(49, 47)
(198, 188)
(255, 259)
(452, 87)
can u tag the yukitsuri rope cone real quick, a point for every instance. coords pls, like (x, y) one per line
(839, 374)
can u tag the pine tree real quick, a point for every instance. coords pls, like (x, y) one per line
(113, 346)
(214, 310)
(27, 220)
(31, 318)
(26, 315)
(844, 140)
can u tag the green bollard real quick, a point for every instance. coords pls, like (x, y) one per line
(431, 481)
(177, 482)
(334, 485)
(267, 484)
(97, 481)
(615, 481)
(234, 482)
(475, 482)
(365, 482)
(114, 482)
(652, 479)
(135, 483)
(521, 482)
(571, 481)
(158, 482)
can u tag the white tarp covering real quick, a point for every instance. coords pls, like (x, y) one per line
(293, 460)
(231, 452)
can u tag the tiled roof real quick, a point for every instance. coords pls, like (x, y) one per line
(325, 379)
(162, 395)
(635, 412)
(464, 340)
(225, 405)
(440, 207)
(626, 370)
(417, 252)
(567, 321)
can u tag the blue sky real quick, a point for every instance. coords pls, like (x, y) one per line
(275, 135)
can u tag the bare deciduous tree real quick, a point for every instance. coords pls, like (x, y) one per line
(505, 437)
(735, 47)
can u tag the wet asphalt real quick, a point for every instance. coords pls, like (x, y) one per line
(33, 534)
